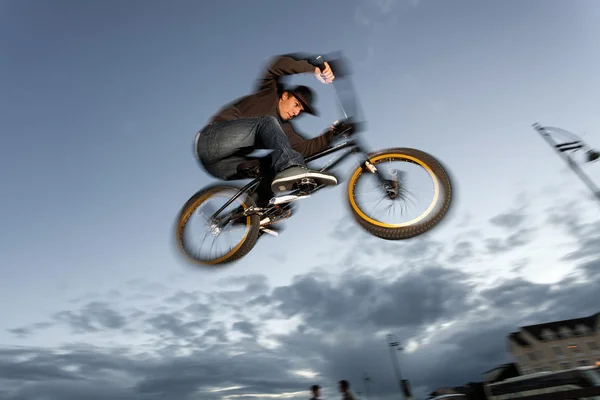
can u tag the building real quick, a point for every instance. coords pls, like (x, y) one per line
(554, 346)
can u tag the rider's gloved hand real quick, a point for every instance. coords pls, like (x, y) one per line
(326, 76)
(339, 128)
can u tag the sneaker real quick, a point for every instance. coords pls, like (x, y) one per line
(286, 179)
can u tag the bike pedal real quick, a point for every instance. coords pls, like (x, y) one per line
(269, 231)
(307, 184)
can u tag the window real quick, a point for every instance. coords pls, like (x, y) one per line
(557, 350)
(592, 345)
(547, 334)
(565, 332)
(582, 329)
(565, 365)
(583, 363)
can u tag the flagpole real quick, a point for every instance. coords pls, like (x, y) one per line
(562, 148)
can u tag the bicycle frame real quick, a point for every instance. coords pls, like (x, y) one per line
(351, 144)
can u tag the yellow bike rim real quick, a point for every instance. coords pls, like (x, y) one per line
(376, 160)
(189, 211)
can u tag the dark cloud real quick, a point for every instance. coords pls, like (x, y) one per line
(364, 300)
(262, 300)
(89, 389)
(509, 220)
(181, 297)
(14, 369)
(94, 317)
(582, 226)
(463, 251)
(245, 327)
(337, 338)
(515, 240)
(453, 329)
(21, 332)
(519, 264)
(26, 331)
(589, 246)
(126, 375)
(566, 215)
(220, 334)
(173, 325)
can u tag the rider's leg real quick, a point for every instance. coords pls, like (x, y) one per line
(287, 163)
(263, 192)
(222, 140)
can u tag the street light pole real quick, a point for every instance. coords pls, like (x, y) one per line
(392, 343)
(563, 148)
(366, 380)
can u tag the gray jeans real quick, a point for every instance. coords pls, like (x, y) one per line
(222, 146)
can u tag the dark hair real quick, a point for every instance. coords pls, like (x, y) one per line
(344, 383)
(314, 388)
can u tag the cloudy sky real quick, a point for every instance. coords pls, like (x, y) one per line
(99, 104)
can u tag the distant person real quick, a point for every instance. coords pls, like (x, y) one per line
(345, 390)
(315, 392)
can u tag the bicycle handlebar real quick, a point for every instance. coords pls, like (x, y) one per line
(347, 102)
(320, 63)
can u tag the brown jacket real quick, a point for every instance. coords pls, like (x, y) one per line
(264, 102)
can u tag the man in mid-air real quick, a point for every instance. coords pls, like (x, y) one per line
(263, 120)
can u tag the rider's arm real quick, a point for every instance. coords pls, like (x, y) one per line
(281, 66)
(308, 147)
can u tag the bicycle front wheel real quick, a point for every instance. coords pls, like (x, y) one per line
(415, 184)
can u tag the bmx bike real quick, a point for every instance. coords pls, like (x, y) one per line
(390, 184)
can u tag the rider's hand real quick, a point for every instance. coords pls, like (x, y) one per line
(338, 128)
(326, 76)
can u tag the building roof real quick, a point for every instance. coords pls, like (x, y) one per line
(518, 338)
(590, 322)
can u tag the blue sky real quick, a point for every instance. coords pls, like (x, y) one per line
(100, 101)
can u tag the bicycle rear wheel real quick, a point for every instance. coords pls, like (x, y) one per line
(246, 227)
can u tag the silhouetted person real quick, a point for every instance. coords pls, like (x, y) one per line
(315, 392)
(345, 390)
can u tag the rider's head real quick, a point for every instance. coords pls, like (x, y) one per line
(293, 102)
